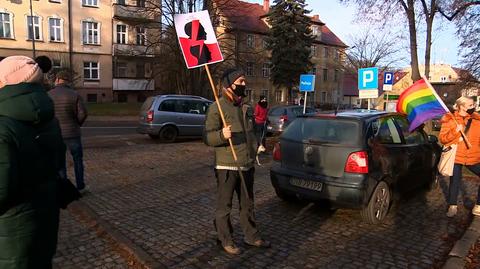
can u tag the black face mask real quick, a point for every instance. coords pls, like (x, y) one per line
(263, 104)
(239, 90)
(471, 110)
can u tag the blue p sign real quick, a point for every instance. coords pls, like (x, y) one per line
(368, 78)
(388, 78)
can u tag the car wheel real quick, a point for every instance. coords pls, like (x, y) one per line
(154, 136)
(378, 205)
(284, 196)
(168, 133)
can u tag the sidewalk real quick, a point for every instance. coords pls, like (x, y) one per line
(457, 257)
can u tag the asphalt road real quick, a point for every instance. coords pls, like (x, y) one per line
(108, 128)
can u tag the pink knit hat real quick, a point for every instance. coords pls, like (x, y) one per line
(18, 69)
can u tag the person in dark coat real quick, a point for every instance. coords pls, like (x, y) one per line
(30, 155)
(71, 113)
(240, 123)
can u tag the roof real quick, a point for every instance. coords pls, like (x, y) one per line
(249, 17)
(349, 114)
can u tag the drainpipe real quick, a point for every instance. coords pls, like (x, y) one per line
(70, 42)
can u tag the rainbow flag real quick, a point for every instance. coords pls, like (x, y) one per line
(420, 103)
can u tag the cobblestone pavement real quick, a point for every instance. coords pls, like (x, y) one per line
(161, 197)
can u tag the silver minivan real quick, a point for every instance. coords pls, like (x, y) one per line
(169, 116)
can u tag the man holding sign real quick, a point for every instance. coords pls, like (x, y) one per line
(239, 128)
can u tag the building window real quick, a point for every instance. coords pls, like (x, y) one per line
(313, 50)
(121, 34)
(250, 41)
(314, 31)
(323, 97)
(325, 74)
(140, 3)
(55, 29)
(56, 66)
(313, 71)
(249, 71)
(337, 55)
(121, 2)
(91, 33)
(443, 79)
(140, 70)
(325, 52)
(265, 93)
(121, 69)
(92, 98)
(90, 3)
(249, 93)
(34, 28)
(122, 98)
(278, 96)
(141, 36)
(266, 70)
(335, 78)
(6, 30)
(91, 71)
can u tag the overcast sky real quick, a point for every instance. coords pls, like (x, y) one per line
(340, 19)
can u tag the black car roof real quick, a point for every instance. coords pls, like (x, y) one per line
(358, 114)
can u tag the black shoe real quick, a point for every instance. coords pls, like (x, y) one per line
(259, 243)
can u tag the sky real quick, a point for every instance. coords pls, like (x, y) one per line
(340, 19)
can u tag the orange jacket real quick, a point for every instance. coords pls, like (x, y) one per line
(449, 135)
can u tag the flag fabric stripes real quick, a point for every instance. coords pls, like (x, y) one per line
(420, 103)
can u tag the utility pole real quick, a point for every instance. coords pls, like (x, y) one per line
(33, 29)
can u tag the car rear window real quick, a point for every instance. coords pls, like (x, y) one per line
(277, 111)
(297, 111)
(147, 104)
(320, 130)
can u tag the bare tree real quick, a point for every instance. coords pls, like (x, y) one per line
(369, 50)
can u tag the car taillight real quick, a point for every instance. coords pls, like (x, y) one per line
(277, 155)
(149, 116)
(357, 162)
(283, 118)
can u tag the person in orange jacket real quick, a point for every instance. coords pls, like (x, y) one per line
(469, 121)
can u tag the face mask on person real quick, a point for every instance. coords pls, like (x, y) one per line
(239, 90)
(263, 104)
(471, 110)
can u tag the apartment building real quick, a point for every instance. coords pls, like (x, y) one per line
(77, 34)
(242, 29)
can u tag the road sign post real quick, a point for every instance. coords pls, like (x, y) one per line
(307, 84)
(368, 83)
(387, 84)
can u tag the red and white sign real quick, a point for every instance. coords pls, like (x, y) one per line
(197, 39)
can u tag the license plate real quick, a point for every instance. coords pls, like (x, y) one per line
(306, 184)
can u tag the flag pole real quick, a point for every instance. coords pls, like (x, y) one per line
(222, 116)
(464, 136)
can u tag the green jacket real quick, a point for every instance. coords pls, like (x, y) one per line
(31, 150)
(241, 120)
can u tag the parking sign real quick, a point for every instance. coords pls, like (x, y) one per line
(368, 82)
(307, 83)
(387, 81)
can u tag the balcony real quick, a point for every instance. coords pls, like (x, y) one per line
(133, 84)
(134, 13)
(132, 50)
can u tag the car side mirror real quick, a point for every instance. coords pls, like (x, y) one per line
(432, 139)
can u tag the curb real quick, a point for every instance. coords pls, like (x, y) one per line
(456, 257)
(141, 259)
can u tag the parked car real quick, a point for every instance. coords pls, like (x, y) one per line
(354, 159)
(279, 117)
(169, 116)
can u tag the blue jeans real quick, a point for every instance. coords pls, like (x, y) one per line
(74, 145)
(456, 180)
(260, 133)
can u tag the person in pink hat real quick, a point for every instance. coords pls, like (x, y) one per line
(31, 151)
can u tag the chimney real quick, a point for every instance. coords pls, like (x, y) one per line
(316, 17)
(266, 5)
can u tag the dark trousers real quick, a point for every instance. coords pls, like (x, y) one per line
(228, 182)
(260, 133)
(74, 145)
(456, 180)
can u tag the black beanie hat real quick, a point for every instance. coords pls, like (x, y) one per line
(44, 63)
(230, 75)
